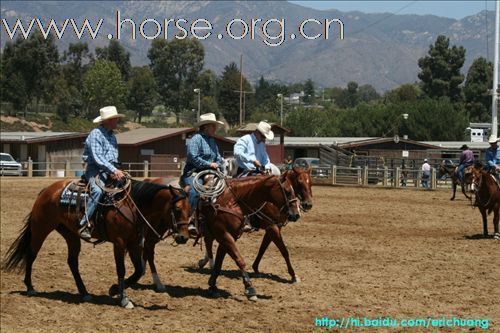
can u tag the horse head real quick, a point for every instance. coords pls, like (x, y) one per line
(290, 201)
(180, 215)
(301, 183)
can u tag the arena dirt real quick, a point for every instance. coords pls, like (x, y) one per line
(359, 253)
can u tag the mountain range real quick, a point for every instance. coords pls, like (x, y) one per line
(378, 49)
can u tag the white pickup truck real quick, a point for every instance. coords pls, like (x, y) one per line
(9, 166)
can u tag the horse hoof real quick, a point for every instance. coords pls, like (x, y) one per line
(250, 293)
(87, 298)
(202, 263)
(31, 292)
(497, 236)
(113, 291)
(296, 280)
(126, 303)
(253, 298)
(160, 288)
(214, 292)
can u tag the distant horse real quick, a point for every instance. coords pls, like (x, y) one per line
(242, 198)
(450, 169)
(487, 197)
(123, 227)
(300, 180)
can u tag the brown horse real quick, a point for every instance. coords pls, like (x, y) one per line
(300, 180)
(242, 198)
(123, 227)
(451, 170)
(487, 197)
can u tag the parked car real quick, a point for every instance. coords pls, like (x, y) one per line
(9, 166)
(313, 163)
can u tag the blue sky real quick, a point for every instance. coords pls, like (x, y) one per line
(453, 9)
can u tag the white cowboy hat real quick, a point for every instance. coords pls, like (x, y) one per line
(208, 118)
(265, 129)
(107, 112)
(493, 139)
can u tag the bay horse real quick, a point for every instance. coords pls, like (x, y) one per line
(300, 179)
(223, 219)
(450, 169)
(122, 225)
(487, 197)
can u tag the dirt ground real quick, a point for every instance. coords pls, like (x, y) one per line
(404, 254)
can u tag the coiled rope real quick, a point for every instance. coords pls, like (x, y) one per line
(213, 187)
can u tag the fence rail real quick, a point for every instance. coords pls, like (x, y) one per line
(336, 175)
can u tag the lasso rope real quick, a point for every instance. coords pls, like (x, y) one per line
(214, 187)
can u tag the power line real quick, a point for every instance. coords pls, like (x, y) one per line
(384, 18)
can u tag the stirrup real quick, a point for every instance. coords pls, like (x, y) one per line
(247, 227)
(85, 233)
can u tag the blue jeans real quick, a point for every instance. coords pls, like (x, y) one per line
(193, 195)
(94, 198)
(425, 179)
(460, 171)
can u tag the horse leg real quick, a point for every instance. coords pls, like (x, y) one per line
(454, 186)
(209, 256)
(212, 282)
(149, 256)
(485, 221)
(263, 247)
(74, 247)
(495, 223)
(463, 190)
(277, 238)
(233, 251)
(135, 251)
(119, 252)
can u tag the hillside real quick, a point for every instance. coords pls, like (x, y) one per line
(378, 49)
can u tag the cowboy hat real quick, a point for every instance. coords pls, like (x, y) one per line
(107, 112)
(208, 118)
(464, 147)
(265, 129)
(493, 139)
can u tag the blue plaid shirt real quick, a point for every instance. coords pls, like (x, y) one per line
(493, 157)
(201, 151)
(100, 151)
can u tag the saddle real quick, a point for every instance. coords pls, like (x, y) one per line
(75, 194)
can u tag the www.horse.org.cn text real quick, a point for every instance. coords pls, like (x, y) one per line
(271, 31)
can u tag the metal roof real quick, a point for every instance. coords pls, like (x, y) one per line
(143, 135)
(31, 137)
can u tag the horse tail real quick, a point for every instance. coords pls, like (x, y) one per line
(19, 251)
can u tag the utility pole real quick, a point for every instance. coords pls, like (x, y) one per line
(494, 106)
(241, 90)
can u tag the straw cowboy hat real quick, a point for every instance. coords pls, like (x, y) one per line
(493, 139)
(265, 129)
(208, 118)
(107, 112)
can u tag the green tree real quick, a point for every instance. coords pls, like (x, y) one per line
(403, 93)
(307, 122)
(440, 70)
(349, 96)
(229, 97)
(176, 66)
(367, 93)
(103, 85)
(143, 92)
(309, 91)
(29, 66)
(477, 90)
(116, 53)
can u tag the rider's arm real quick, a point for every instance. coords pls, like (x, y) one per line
(266, 162)
(97, 144)
(492, 158)
(240, 150)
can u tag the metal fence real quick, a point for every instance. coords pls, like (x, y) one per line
(336, 175)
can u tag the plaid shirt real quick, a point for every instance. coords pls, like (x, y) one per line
(100, 151)
(493, 157)
(201, 151)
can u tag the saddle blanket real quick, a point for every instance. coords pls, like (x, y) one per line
(74, 195)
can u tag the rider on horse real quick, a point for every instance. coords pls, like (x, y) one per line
(202, 154)
(100, 153)
(493, 156)
(251, 155)
(466, 159)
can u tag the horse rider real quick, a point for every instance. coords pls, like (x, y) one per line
(202, 154)
(251, 155)
(466, 159)
(101, 154)
(493, 156)
(426, 173)
(250, 150)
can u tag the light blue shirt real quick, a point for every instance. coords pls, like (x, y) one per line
(493, 157)
(247, 150)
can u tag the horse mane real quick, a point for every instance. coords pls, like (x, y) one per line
(145, 191)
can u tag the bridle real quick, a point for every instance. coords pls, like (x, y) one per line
(174, 210)
(477, 184)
